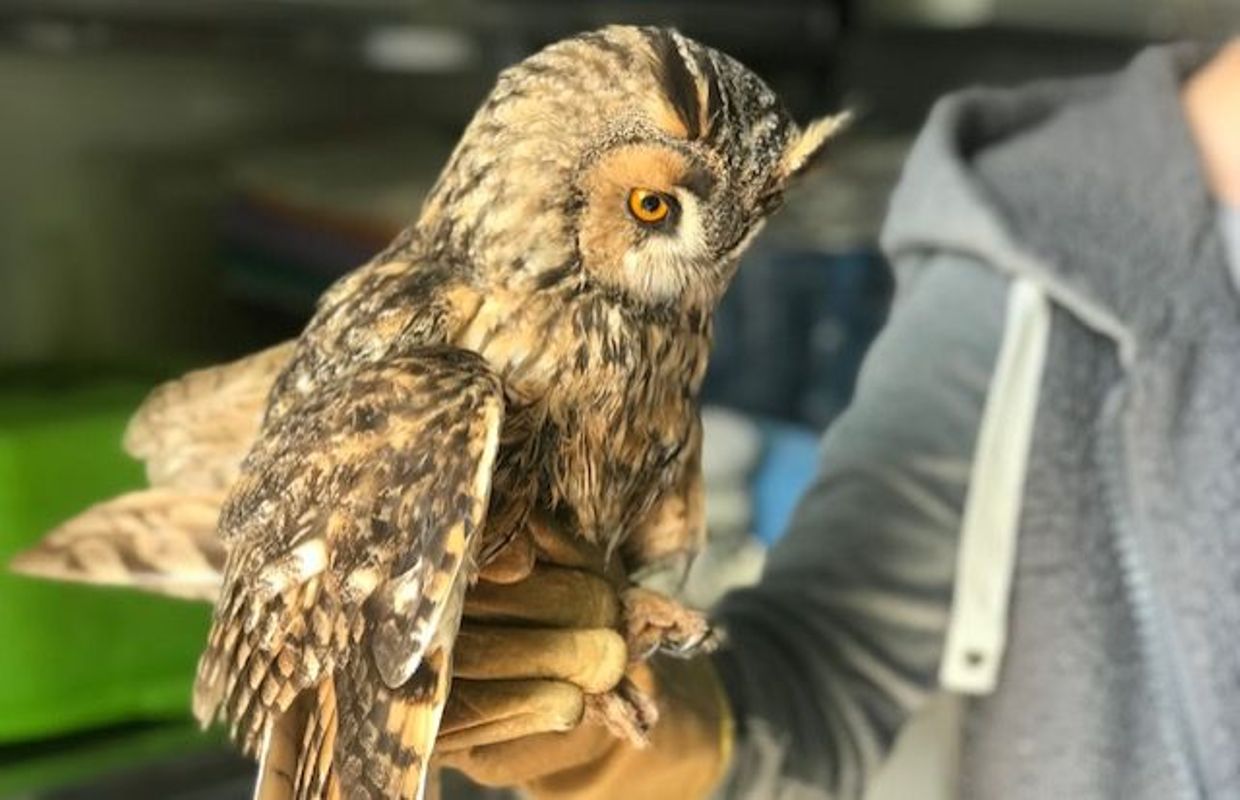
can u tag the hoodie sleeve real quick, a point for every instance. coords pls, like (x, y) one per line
(842, 638)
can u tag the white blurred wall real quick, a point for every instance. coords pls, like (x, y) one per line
(1141, 18)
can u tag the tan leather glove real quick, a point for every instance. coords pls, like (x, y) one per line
(538, 660)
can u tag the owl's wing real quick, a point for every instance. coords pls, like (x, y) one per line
(349, 531)
(157, 540)
(192, 432)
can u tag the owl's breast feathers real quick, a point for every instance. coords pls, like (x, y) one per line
(601, 399)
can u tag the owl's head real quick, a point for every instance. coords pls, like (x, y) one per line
(632, 159)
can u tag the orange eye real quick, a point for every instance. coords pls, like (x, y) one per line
(648, 206)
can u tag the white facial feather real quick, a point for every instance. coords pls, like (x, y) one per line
(662, 266)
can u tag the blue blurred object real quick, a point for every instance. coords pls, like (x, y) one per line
(792, 331)
(790, 338)
(789, 462)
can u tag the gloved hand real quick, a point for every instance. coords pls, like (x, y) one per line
(540, 662)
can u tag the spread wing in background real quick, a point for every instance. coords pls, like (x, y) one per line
(192, 434)
(350, 535)
(158, 540)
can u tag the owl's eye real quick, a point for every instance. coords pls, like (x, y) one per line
(649, 206)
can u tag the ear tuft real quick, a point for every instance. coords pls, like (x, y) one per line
(806, 148)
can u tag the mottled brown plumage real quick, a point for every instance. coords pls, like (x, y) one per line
(533, 345)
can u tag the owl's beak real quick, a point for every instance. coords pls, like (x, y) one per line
(805, 149)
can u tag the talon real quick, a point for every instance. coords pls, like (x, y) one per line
(706, 641)
(656, 623)
(626, 711)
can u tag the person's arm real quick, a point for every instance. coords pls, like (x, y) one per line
(841, 639)
(1211, 99)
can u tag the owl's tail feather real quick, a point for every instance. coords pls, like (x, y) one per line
(296, 758)
(316, 775)
(306, 727)
(353, 737)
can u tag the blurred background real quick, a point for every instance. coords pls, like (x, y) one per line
(179, 181)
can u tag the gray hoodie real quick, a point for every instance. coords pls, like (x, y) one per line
(1032, 500)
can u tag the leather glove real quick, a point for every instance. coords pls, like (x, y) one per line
(539, 663)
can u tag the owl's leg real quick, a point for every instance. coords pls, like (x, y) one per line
(655, 622)
(651, 623)
(626, 711)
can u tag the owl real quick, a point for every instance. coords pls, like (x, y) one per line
(532, 347)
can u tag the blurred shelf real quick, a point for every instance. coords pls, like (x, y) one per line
(417, 35)
(281, 11)
(394, 35)
(783, 26)
(1134, 19)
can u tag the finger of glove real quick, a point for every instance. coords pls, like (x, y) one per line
(487, 712)
(529, 758)
(594, 659)
(551, 596)
(513, 563)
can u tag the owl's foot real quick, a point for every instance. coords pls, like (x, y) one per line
(656, 623)
(626, 711)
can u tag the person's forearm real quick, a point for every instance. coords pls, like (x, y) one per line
(841, 639)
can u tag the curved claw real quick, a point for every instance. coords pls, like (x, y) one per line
(627, 711)
(705, 641)
(656, 623)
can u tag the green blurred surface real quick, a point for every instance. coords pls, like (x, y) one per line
(76, 657)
